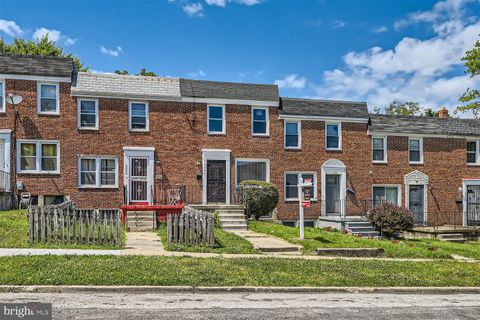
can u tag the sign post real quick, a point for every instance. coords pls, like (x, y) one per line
(305, 191)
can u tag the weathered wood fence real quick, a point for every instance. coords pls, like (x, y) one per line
(64, 223)
(191, 228)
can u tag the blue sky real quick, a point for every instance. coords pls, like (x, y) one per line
(374, 51)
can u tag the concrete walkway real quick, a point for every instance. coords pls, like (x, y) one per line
(268, 244)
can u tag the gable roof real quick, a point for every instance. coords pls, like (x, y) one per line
(323, 108)
(404, 125)
(125, 86)
(29, 65)
(202, 89)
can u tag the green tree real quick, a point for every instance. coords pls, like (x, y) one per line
(406, 108)
(143, 72)
(41, 47)
(430, 113)
(471, 97)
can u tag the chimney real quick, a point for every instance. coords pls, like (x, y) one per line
(443, 113)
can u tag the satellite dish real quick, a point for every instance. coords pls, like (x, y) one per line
(14, 99)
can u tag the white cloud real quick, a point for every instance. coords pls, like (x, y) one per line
(193, 9)
(111, 52)
(428, 71)
(223, 3)
(53, 35)
(197, 74)
(380, 29)
(10, 28)
(337, 24)
(292, 81)
(218, 3)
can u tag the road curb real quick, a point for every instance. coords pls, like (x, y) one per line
(188, 289)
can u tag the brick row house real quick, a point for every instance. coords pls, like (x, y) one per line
(104, 140)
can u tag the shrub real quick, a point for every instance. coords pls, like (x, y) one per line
(259, 197)
(391, 219)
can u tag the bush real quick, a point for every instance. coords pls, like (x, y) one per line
(259, 197)
(391, 219)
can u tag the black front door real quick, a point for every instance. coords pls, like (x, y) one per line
(416, 203)
(216, 180)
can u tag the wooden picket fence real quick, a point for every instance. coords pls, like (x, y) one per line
(64, 223)
(191, 228)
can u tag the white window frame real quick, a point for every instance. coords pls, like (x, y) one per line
(224, 122)
(147, 117)
(299, 123)
(3, 103)
(267, 120)
(267, 161)
(98, 162)
(385, 153)
(477, 154)
(79, 113)
(39, 93)
(339, 124)
(421, 150)
(399, 191)
(299, 176)
(38, 156)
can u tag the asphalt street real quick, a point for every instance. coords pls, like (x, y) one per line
(253, 305)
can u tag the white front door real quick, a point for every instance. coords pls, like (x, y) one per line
(139, 174)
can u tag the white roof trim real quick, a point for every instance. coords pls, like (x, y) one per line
(258, 103)
(35, 78)
(322, 118)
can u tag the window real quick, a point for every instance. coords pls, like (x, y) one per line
(48, 98)
(251, 169)
(333, 136)
(98, 172)
(38, 156)
(379, 149)
(292, 135)
(87, 114)
(216, 120)
(415, 150)
(260, 126)
(138, 116)
(2, 96)
(382, 194)
(292, 180)
(472, 152)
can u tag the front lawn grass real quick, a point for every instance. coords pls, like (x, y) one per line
(168, 271)
(14, 234)
(227, 241)
(320, 238)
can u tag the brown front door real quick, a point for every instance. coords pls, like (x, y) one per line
(216, 181)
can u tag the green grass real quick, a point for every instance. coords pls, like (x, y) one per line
(228, 243)
(14, 234)
(143, 270)
(320, 238)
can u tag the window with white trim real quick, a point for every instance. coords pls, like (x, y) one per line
(87, 114)
(292, 138)
(97, 172)
(291, 181)
(333, 132)
(48, 98)
(472, 152)
(260, 123)
(379, 149)
(138, 116)
(415, 150)
(251, 169)
(216, 120)
(382, 194)
(38, 156)
(2, 96)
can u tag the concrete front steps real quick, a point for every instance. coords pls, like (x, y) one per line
(361, 227)
(231, 216)
(453, 237)
(140, 221)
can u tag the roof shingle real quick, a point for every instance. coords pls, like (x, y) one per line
(36, 65)
(323, 108)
